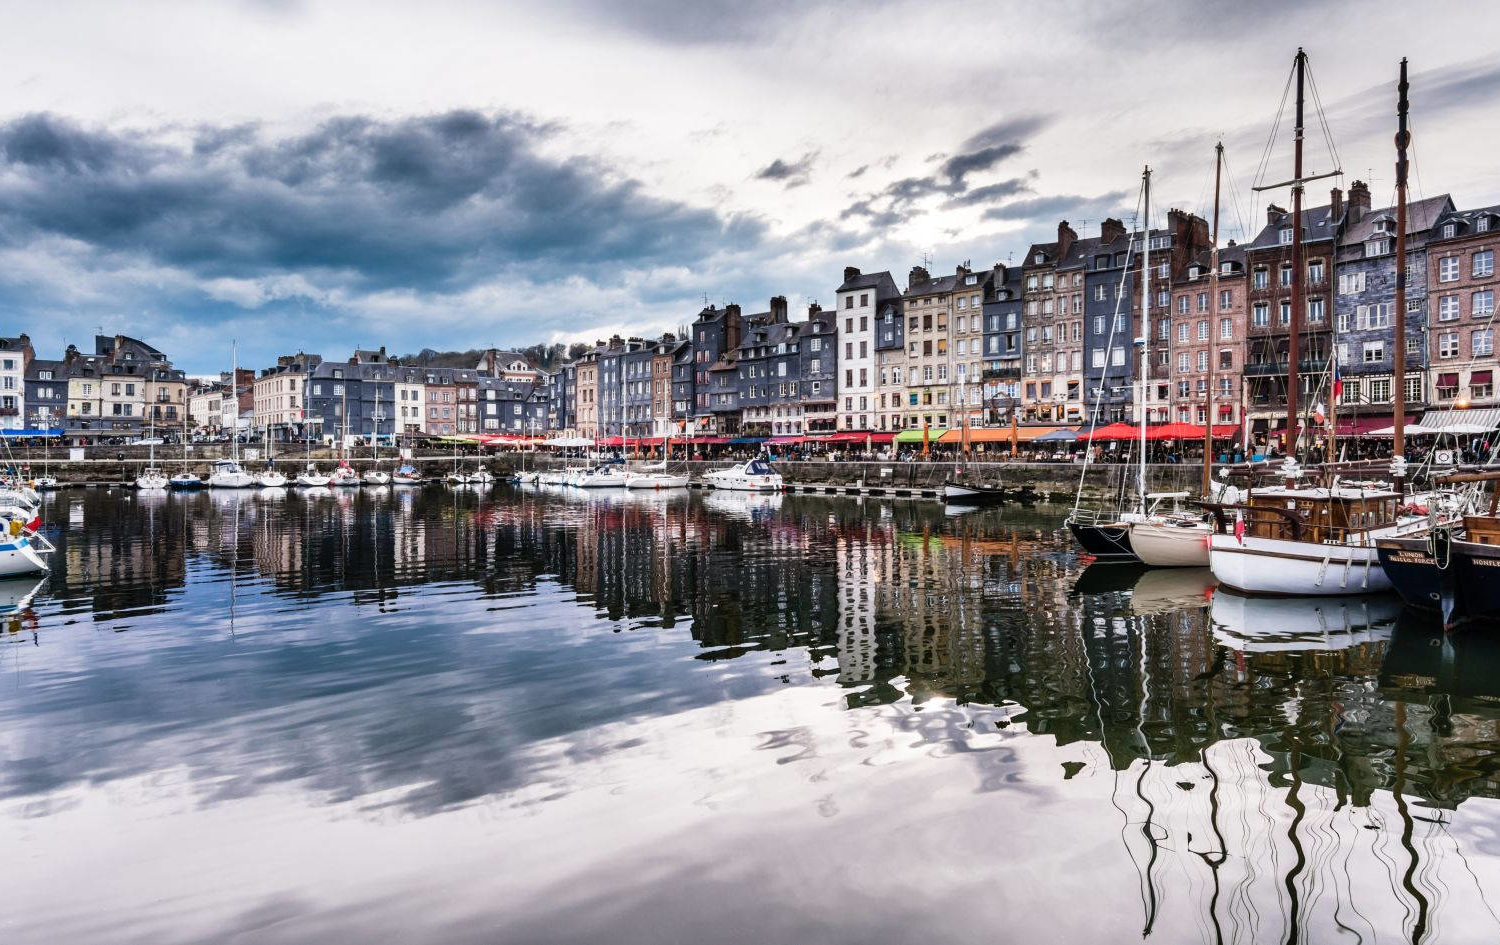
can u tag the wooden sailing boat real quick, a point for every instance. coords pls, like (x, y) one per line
(1320, 539)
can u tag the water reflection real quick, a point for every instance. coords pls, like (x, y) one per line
(578, 716)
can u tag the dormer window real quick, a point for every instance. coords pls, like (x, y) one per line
(1448, 230)
(1482, 225)
(1377, 247)
(1038, 259)
(971, 280)
(1285, 236)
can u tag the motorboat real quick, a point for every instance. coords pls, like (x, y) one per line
(376, 477)
(270, 478)
(957, 493)
(152, 478)
(46, 484)
(21, 544)
(607, 475)
(654, 477)
(755, 475)
(310, 477)
(344, 475)
(185, 481)
(227, 474)
(407, 475)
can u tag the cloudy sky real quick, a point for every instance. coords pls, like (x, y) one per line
(316, 175)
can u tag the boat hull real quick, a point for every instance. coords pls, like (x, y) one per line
(18, 557)
(657, 482)
(971, 495)
(1467, 589)
(1170, 546)
(1110, 541)
(1295, 568)
(185, 485)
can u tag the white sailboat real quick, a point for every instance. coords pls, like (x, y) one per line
(228, 473)
(1320, 540)
(21, 545)
(151, 477)
(1178, 539)
(375, 476)
(187, 479)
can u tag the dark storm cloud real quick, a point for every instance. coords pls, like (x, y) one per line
(791, 173)
(982, 151)
(1036, 209)
(439, 201)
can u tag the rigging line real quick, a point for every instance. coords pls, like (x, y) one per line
(1233, 190)
(1108, 349)
(1333, 151)
(1266, 151)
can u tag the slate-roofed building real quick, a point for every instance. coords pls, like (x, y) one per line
(1002, 343)
(716, 333)
(1364, 298)
(46, 394)
(1268, 263)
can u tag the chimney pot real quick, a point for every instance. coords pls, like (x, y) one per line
(851, 272)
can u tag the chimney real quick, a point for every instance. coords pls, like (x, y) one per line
(851, 272)
(778, 309)
(1359, 201)
(70, 354)
(812, 310)
(732, 310)
(1274, 214)
(1111, 230)
(1336, 204)
(918, 276)
(1065, 239)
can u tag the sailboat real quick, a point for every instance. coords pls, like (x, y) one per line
(227, 473)
(457, 477)
(309, 477)
(1178, 540)
(185, 480)
(375, 476)
(1321, 539)
(655, 475)
(270, 477)
(1105, 535)
(343, 473)
(151, 477)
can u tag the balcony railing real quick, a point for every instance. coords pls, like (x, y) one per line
(1268, 369)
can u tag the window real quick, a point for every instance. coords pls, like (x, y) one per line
(1315, 311)
(1447, 308)
(1482, 225)
(1226, 329)
(1380, 390)
(1182, 363)
(1315, 271)
(1182, 332)
(1260, 279)
(1286, 313)
(1286, 274)
(1482, 385)
(1448, 269)
(1448, 344)
(1482, 304)
(1202, 301)
(1482, 342)
(1350, 394)
(1226, 299)
(1101, 293)
(1484, 263)
(1183, 305)
(1117, 357)
(1226, 360)
(1260, 315)
(1202, 360)
(1351, 283)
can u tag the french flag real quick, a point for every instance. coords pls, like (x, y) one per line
(1338, 381)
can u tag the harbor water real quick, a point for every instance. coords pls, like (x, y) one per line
(541, 716)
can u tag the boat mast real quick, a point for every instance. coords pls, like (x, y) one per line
(1213, 305)
(1398, 393)
(234, 394)
(1294, 344)
(1145, 340)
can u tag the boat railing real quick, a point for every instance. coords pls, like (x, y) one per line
(40, 541)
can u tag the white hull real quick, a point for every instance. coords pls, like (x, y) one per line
(231, 481)
(656, 481)
(343, 481)
(270, 480)
(17, 556)
(405, 481)
(601, 481)
(1170, 546)
(1299, 568)
(151, 482)
(377, 478)
(45, 484)
(738, 482)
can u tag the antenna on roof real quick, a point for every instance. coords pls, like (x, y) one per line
(927, 260)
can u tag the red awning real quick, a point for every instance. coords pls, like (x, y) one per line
(1364, 426)
(1115, 431)
(787, 440)
(611, 441)
(1481, 377)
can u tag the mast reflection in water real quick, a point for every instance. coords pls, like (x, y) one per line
(456, 715)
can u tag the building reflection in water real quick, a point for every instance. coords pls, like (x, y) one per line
(1284, 766)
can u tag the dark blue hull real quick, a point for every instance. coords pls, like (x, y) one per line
(1461, 581)
(1103, 541)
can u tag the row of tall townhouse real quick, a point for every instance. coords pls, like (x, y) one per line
(1055, 338)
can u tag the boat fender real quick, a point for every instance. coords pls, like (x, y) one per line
(1414, 509)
